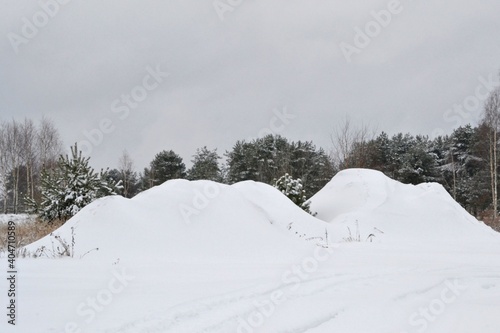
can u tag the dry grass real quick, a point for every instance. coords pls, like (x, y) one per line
(28, 232)
(487, 218)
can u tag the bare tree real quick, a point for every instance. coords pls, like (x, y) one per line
(49, 144)
(4, 166)
(492, 120)
(350, 144)
(126, 168)
(28, 154)
(25, 150)
(13, 151)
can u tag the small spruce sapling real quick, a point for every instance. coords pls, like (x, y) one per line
(70, 187)
(294, 190)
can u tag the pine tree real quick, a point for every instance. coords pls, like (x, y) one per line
(294, 191)
(165, 166)
(313, 166)
(242, 163)
(205, 165)
(129, 181)
(71, 186)
(265, 159)
(419, 163)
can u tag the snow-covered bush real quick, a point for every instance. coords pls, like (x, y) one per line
(294, 190)
(70, 187)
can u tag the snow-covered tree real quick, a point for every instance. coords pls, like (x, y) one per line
(71, 186)
(129, 181)
(294, 191)
(419, 162)
(266, 159)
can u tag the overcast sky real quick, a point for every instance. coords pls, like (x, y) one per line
(180, 75)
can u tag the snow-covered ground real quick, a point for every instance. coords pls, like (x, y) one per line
(17, 218)
(204, 257)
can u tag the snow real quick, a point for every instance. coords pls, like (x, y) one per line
(205, 257)
(182, 221)
(17, 218)
(371, 203)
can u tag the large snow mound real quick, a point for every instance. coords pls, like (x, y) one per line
(188, 221)
(203, 221)
(359, 202)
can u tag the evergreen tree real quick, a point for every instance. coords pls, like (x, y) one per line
(267, 158)
(262, 160)
(129, 180)
(205, 165)
(71, 186)
(165, 166)
(399, 147)
(380, 153)
(242, 163)
(272, 154)
(419, 162)
(463, 168)
(294, 191)
(313, 166)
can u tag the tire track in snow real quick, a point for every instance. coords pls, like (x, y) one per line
(219, 313)
(196, 309)
(317, 323)
(214, 314)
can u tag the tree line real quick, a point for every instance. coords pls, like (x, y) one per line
(264, 159)
(465, 162)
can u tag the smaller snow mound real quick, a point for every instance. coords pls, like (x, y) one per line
(282, 212)
(359, 203)
(183, 221)
(351, 190)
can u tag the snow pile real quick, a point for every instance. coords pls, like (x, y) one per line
(203, 221)
(359, 203)
(187, 221)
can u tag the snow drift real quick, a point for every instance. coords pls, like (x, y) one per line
(187, 221)
(203, 221)
(361, 202)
